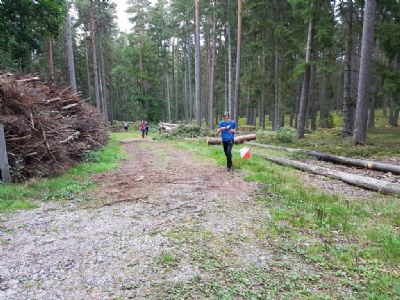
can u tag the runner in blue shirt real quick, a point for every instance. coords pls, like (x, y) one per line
(227, 127)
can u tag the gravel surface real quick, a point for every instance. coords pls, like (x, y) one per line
(160, 203)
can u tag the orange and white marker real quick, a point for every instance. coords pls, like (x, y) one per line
(245, 153)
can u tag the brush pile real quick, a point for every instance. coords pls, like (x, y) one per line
(47, 129)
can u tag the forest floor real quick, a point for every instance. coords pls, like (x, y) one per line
(166, 224)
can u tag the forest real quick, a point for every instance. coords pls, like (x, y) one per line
(277, 64)
(302, 203)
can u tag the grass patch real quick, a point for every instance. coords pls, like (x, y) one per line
(167, 259)
(357, 238)
(70, 186)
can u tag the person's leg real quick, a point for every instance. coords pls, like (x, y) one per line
(225, 144)
(229, 155)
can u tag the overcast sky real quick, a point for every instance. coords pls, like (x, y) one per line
(122, 16)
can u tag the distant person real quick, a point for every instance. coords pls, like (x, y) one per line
(227, 127)
(142, 128)
(126, 126)
(146, 127)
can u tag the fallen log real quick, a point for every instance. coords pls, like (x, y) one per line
(368, 183)
(354, 162)
(238, 140)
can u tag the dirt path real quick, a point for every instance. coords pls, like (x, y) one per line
(162, 226)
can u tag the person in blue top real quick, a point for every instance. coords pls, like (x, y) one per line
(227, 127)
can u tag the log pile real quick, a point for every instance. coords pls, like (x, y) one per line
(365, 182)
(164, 127)
(47, 129)
(238, 140)
(353, 162)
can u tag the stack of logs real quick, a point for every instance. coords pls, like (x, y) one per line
(167, 127)
(47, 129)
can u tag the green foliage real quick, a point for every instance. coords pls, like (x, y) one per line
(25, 24)
(330, 122)
(284, 135)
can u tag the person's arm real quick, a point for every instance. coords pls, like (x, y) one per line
(233, 129)
(219, 129)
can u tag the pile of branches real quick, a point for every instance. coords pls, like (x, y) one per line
(47, 129)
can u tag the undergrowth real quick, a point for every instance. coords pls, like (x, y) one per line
(70, 186)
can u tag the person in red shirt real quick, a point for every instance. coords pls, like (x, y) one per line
(142, 128)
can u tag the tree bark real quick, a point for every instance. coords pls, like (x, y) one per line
(312, 102)
(212, 74)
(70, 52)
(89, 93)
(94, 55)
(238, 60)
(277, 89)
(51, 60)
(104, 87)
(190, 86)
(323, 103)
(348, 103)
(306, 81)
(197, 63)
(360, 124)
(230, 85)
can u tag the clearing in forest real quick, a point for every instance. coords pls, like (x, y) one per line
(165, 225)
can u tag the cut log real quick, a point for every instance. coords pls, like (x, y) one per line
(357, 180)
(272, 147)
(238, 140)
(29, 79)
(69, 106)
(354, 162)
(72, 137)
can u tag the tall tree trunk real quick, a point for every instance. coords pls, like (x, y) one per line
(176, 118)
(70, 52)
(212, 74)
(323, 103)
(104, 87)
(207, 71)
(360, 124)
(168, 92)
(94, 55)
(313, 103)
(229, 45)
(190, 85)
(226, 99)
(174, 91)
(348, 103)
(277, 84)
(306, 80)
(298, 97)
(186, 83)
(87, 73)
(51, 60)
(238, 51)
(263, 90)
(197, 63)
